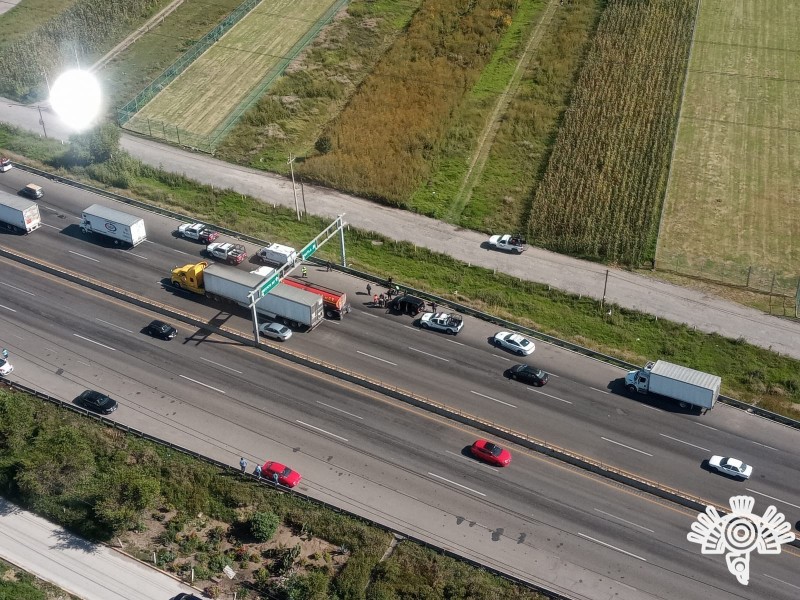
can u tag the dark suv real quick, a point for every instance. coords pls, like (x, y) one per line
(407, 304)
(96, 402)
(161, 330)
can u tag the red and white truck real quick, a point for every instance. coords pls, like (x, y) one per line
(335, 302)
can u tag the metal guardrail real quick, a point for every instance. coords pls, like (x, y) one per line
(462, 308)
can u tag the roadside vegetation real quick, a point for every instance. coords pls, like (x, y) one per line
(106, 485)
(748, 372)
(16, 584)
(602, 192)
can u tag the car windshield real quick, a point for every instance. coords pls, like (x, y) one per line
(493, 449)
(278, 328)
(286, 471)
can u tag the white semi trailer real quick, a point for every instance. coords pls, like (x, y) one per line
(687, 386)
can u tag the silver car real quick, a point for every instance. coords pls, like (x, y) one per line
(276, 331)
(730, 466)
(514, 342)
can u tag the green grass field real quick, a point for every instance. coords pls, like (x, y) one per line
(214, 85)
(732, 201)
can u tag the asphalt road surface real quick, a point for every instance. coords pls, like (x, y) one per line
(579, 277)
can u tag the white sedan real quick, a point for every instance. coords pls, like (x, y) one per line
(5, 367)
(276, 331)
(514, 342)
(730, 466)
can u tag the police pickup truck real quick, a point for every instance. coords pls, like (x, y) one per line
(507, 242)
(233, 254)
(198, 232)
(450, 324)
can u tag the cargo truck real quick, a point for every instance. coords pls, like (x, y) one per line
(335, 302)
(115, 224)
(687, 386)
(296, 308)
(17, 214)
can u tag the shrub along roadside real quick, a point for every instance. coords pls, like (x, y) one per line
(749, 373)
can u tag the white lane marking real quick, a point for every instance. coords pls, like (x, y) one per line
(652, 407)
(7, 308)
(181, 252)
(773, 498)
(610, 546)
(410, 327)
(376, 358)
(458, 484)
(706, 426)
(51, 209)
(669, 437)
(84, 363)
(554, 375)
(597, 389)
(472, 461)
(340, 410)
(602, 512)
(221, 365)
(84, 256)
(628, 447)
(456, 343)
(51, 350)
(52, 226)
(148, 242)
(17, 288)
(782, 581)
(429, 354)
(98, 343)
(113, 325)
(490, 398)
(203, 384)
(502, 357)
(338, 437)
(134, 254)
(19, 337)
(763, 445)
(549, 395)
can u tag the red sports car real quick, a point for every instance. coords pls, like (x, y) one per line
(491, 453)
(285, 475)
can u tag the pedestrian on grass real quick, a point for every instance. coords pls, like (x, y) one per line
(369, 290)
(243, 464)
(258, 471)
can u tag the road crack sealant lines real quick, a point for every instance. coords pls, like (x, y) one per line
(427, 404)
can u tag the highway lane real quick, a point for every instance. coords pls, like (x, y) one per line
(537, 519)
(466, 372)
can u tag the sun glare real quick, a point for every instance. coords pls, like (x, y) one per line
(76, 98)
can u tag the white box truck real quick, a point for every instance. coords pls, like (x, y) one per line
(17, 214)
(115, 224)
(277, 254)
(687, 386)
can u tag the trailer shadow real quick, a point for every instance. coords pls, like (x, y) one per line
(617, 387)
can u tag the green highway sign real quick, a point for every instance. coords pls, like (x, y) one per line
(269, 284)
(308, 250)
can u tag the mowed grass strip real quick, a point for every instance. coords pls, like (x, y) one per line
(201, 98)
(734, 194)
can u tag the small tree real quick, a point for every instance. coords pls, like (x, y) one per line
(94, 146)
(263, 525)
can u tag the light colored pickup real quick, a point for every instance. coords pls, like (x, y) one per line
(233, 254)
(507, 242)
(450, 324)
(199, 232)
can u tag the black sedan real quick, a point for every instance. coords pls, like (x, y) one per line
(96, 402)
(529, 374)
(161, 330)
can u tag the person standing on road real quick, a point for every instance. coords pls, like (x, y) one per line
(5, 353)
(243, 464)
(330, 266)
(305, 272)
(369, 290)
(258, 471)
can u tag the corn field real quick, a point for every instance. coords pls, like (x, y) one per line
(603, 188)
(78, 34)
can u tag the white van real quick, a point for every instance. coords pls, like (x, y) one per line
(277, 254)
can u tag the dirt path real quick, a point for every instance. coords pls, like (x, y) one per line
(489, 133)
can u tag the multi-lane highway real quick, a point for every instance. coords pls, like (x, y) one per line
(404, 452)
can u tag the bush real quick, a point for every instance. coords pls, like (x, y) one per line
(263, 525)
(312, 586)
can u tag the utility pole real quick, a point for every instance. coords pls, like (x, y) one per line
(41, 120)
(605, 287)
(294, 189)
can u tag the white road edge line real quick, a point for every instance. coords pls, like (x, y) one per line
(597, 390)
(83, 256)
(602, 512)
(203, 384)
(221, 365)
(338, 437)
(773, 498)
(612, 547)
(549, 395)
(490, 398)
(706, 426)
(376, 358)
(429, 354)
(782, 581)
(7, 308)
(98, 343)
(763, 445)
(669, 437)
(13, 287)
(340, 410)
(628, 447)
(456, 343)
(134, 254)
(458, 484)
(113, 325)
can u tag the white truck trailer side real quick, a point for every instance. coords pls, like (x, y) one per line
(687, 386)
(18, 214)
(115, 224)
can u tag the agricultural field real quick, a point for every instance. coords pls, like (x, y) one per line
(205, 94)
(601, 194)
(734, 194)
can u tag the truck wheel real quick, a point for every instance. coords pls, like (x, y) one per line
(683, 404)
(83, 230)
(177, 285)
(632, 389)
(329, 314)
(450, 332)
(493, 246)
(424, 325)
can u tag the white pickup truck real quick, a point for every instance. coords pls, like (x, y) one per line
(198, 232)
(233, 254)
(507, 242)
(450, 324)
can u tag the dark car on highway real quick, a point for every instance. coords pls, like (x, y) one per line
(407, 304)
(529, 374)
(96, 402)
(161, 330)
